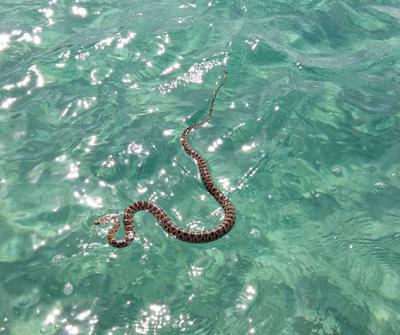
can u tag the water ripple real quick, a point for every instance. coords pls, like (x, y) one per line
(93, 98)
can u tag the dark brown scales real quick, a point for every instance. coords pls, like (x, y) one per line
(165, 222)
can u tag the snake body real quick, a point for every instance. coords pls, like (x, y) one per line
(165, 222)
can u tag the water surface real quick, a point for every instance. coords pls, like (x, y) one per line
(304, 140)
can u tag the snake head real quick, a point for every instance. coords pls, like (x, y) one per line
(104, 219)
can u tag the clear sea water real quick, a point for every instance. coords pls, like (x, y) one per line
(304, 140)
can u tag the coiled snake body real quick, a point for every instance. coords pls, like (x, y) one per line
(166, 223)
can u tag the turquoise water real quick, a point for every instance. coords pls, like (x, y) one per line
(304, 140)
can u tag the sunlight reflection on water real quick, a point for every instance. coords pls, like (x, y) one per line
(93, 98)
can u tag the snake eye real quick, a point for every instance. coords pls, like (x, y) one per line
(97, 221)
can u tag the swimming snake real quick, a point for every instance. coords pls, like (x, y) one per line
(165, 222)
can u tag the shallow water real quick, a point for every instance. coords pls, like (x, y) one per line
(304, 140)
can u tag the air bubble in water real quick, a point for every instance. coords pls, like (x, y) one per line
(332, 188)
(380, 184)
(68, 288)
(337, 170)
(57, 258)
(255, 233)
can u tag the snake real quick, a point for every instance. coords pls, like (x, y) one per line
(163, 219)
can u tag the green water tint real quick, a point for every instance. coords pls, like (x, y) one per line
(304, 140)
